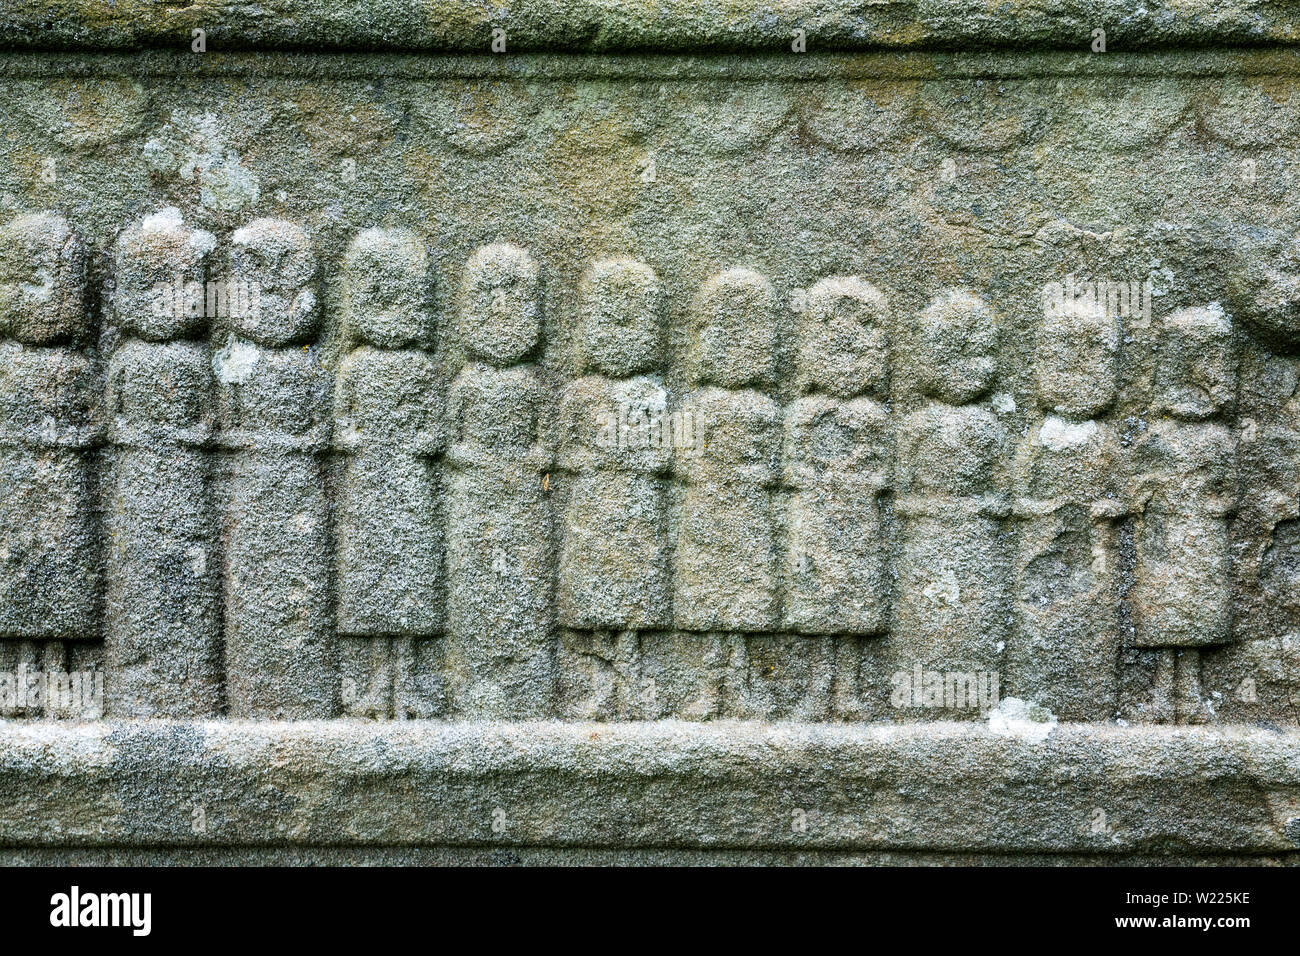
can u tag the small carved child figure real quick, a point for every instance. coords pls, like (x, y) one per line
(1066, 649)
(388, 416)
(50, 558)
(275, 418)
(951, 606)
(615, 439)
(1186, 478)
(500, 649)
(726, 561)
(164, 637)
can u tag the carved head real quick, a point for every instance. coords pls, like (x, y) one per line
(1077, 356)
(387, 278)
(275, 259)
(1197, 373)
(734, 330)
(956, 345)
(620, 318)
(843, 338)
(161, 266)
(500, 311)
(1263, 280)
(42, 281)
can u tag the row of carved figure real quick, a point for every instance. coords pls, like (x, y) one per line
(442, 524)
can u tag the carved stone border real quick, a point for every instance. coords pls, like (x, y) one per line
(941, 787)
(622, 25)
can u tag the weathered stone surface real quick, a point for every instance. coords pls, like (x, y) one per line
(862, 452)
(464, 25)
(938, 787)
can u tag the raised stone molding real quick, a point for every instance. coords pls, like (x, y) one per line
(936, 788)
(677, 26)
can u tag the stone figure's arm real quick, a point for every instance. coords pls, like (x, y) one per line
(118, 429)
(997, 505)
(230, 431)
(307, 442)
(320, 429)
(541, 455)
(686, 461)
(1002, 470)
(460, 453)
(662, 433)
(758, 473)
(796, 472)
(85, 392)
(203, 433)
(765, 469)
(196, 436)
(1141, 474)
(572, 454)
(998, 499)
(1024, 504)
(1272, 455)
(1108, 509)
(346, 436)
(1111, 504)
(870, 427)
(1228, 459)
(905, 444)
(651, 461)
(431, 440)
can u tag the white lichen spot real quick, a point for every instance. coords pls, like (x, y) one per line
(1216, 310)
(945, 590)
(234, 364)
(1014, 717)
(501, 565)
(168, 219)
(1004, 403)
(1060, 435)
(305, 302)
(194, 149)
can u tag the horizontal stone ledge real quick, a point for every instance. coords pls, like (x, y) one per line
(648, 67)
(938, 787)
(622, 25)
(492, 856)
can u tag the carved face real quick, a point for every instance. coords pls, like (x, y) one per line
(956, 345)
(42, 281)
(735, 330)
(620, 318)
(161, 267)
(1076, 358)
(843, 338)
(500, 315)
(1197, 375)
(387, 288)
(275, 259)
